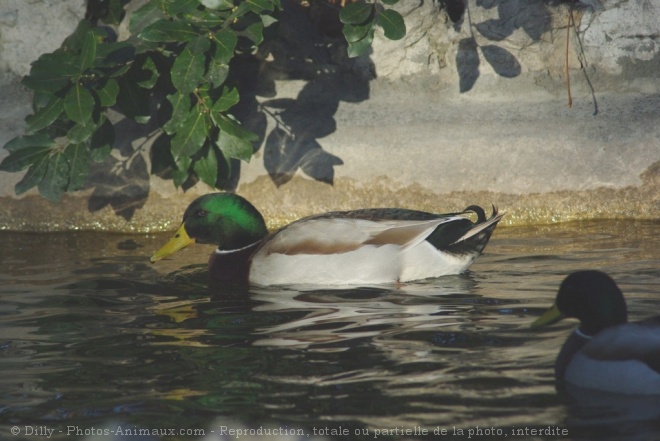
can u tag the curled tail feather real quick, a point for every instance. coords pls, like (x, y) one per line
(482, 223)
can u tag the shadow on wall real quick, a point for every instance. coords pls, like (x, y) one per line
(309, 47)
(533, 17)
(122, 182)
(313, 51)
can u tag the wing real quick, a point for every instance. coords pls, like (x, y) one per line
(631, 341)
(341, 235)
(339, 251)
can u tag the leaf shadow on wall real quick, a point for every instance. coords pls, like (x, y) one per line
(304, 50)
(534, 18)
(122, 182)
(289, 129)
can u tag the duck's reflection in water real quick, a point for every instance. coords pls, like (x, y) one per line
(331, 316)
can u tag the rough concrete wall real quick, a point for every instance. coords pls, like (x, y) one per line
(619, 43)
(454, 114)
(618, 46)
(29, 28)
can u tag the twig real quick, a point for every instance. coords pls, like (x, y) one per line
(583, 66)
(568, 37)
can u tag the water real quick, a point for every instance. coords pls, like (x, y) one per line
(95, 340)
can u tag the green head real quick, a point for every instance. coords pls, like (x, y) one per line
(222, 219)
(590, 296)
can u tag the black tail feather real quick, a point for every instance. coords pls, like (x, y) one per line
(481, 214)
(466, 237)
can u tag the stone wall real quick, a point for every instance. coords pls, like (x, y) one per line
(525, 41)
(29, 28)
(463, 111)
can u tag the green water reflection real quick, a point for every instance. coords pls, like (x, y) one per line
(93, 336)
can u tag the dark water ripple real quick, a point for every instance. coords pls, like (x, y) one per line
(92, 336)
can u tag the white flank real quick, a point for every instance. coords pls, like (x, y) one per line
(360, 253)
(366, 265)
(425, 260)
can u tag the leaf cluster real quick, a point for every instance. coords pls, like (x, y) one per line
(179, 49)
(173, 68)
(360, 20)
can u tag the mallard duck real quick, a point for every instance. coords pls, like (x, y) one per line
(605, 352)
(361, 247)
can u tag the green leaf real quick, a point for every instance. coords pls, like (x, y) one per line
(255, 32)
(45, 81)
(241, 9)
(354, 33)
(55, 180)
(206, 168)
(390, 2)
(74, 42)
(165, 31)
(188, 68)
(34, 175)
(235, 147)
(190, 137)
(224, 166)
(259, 6)
(115, 13)
(79, 133)
(115, 53)
(180, 109)
(229, 125)
(143, 17)
(200, 45)
(88, 51)
(121, 67)
(46, 115)
(361, 46)
(51, 72)
(356, 13)
(23, 158)
(181, 6)
(149, 67)
(268, 20)
(182, 172)
(217, 73)
(108, 93)
(225, 44)
(392, 24)
(36, 140)
(100, 145)
(218, 4)
(234, 141)
(207, 20)
(227, 100)
(40, 99)
(78, 158)
(79, 104)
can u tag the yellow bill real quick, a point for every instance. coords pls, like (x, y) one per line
(549, 317)
(179, 241)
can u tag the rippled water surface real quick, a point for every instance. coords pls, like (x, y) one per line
(94, 339)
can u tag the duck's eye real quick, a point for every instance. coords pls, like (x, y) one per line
(201, 213)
